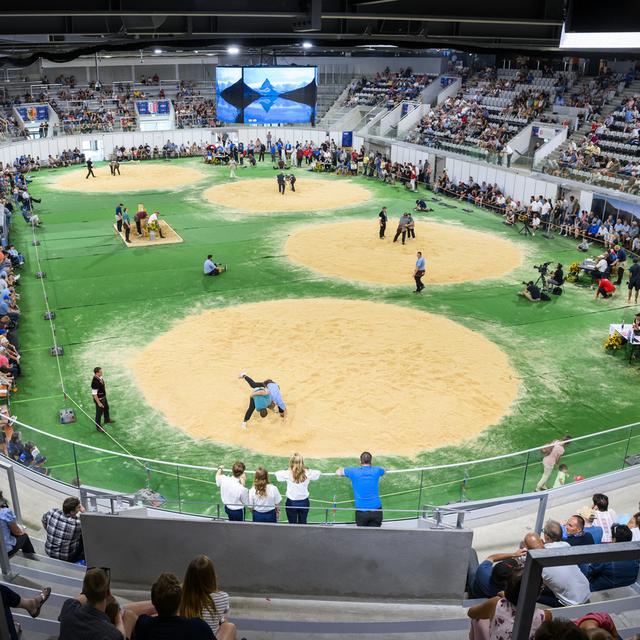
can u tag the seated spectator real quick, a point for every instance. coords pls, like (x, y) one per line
(13, 600)
(501, 611)
(84, 617)
(64, 532)
(15, 538)
(201, 598)
(489, 578)
(565, 585)
(588, 515)
(609, 575)
(532, 292)
(603, 516)
(576, 535)
(634, 525)
(559, 630)
(592, 622)
(166, 594)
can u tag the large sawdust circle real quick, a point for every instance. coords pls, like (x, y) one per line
(261, 195)
(353, 251)
(134, 176)
(355, 375)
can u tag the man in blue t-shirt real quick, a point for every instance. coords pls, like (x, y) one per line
(366, 494)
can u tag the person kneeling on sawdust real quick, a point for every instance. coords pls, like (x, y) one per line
(266, 395)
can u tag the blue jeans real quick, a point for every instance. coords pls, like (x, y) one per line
(269, 516)
(236, 515)
(297, 511)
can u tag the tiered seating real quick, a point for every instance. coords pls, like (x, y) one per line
(387, 88)
(482, 118)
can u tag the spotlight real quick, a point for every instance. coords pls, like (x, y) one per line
(233, 50)
(306, 45)
(157, 51)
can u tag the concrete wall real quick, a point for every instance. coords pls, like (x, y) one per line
(511, 182)
(520, 142)
(278, 559)
(548, 147)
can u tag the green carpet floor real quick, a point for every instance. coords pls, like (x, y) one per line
(109, 299)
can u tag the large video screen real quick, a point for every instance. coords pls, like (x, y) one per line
(229, 94)
(267, 95)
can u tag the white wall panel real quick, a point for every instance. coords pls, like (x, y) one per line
(509, 183)
(491, 175)
(519, 189)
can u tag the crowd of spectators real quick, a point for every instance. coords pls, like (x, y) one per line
(387, 88)
(195, 113)
(498, 577)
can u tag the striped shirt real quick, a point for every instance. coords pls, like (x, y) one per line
(221, 602)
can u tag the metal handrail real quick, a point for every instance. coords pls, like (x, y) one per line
(538, 559)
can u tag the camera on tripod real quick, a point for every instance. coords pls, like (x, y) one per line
(543, 269)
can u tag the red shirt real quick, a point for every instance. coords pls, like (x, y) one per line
(606, 285)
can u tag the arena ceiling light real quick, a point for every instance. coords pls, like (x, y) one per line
(306, 45)
(233, 50)
(157, 51)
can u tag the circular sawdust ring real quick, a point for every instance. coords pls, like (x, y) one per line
(356, 375)
(134, 176)
(260, 195)
(352, 250)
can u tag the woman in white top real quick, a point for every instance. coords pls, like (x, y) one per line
(201, 598)
(264, 498)
(297, 477)
(605, 517)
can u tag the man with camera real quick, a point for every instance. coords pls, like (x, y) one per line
(531, 291)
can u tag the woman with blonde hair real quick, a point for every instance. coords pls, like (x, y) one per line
(201, 598)
(297, 477)
(264, 498)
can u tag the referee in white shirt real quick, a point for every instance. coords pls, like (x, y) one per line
(233, 493)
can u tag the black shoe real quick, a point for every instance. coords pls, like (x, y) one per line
(100, 429)
(109, 421)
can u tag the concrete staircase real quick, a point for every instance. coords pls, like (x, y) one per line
(327, 97)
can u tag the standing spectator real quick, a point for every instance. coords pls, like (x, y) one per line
(201, 598)
(264, 498)
(64, 532)
(552, 454)
(603, 516)
(166, 595)
(297, 477)
(365, 481)
(15, 538)
(99, 394)
(13, 600)
(90, 169)
(610, 575)
(233, 492)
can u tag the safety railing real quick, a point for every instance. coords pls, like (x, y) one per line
(538, 559)
(192, 489)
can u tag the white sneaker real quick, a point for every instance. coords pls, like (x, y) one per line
(244, 426)
(242, 375)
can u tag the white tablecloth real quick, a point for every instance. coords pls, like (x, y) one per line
(625, 331)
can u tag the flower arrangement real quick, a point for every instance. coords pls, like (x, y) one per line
(574, 272)
(614, 342)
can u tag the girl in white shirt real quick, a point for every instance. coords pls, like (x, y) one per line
(605, 517)
(297, 477)
(264, 498)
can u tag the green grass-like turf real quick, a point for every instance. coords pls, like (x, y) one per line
(110, 299)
